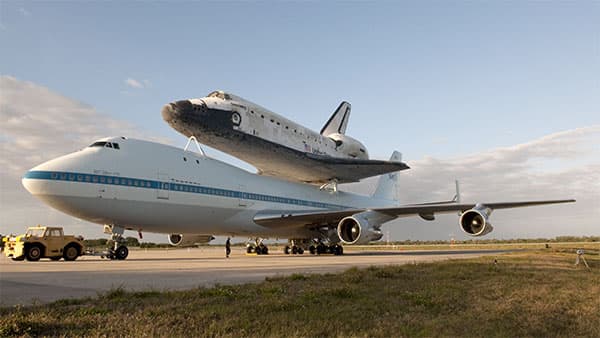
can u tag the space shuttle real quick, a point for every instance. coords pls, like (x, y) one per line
(277, 146)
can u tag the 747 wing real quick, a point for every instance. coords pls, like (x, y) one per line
(361, 225)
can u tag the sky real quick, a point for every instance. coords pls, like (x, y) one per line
(503, 96)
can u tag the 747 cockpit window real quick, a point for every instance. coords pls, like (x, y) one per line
(98, 144)
(105, 144)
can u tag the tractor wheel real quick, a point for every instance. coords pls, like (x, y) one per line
(33, 253)
(71, 252)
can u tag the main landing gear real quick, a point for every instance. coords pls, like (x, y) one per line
(297, 247)
(116, 245)
(257, 246)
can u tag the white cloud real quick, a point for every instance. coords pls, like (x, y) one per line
(133, 83)
(557, 166)
(38, 125)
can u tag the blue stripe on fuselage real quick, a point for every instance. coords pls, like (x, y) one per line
(170, 186)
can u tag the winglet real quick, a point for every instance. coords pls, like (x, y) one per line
(338, 121)
(457, 196)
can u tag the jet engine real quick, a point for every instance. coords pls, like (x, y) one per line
(356, 229)
(475, 221)
(349, 146)
(188, 240)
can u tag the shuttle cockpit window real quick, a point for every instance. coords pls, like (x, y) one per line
(220, 94)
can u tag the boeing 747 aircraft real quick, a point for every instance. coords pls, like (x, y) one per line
(275, 145)
(144, 186)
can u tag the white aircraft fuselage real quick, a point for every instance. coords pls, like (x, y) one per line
(152, 187)
(145, 186)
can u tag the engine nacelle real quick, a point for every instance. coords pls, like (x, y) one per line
(475, 221)
(356, 229)
(349, 146)
(188, 240)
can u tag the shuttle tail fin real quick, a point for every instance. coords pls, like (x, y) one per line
(387, 188)
(338, 121)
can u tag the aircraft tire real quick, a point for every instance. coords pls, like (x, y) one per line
(294, 250)
(265, 250)
(33, 253)
(321, 249)
(312, 250)
(121, 253)
(300, 251)
(249, 249)
(286, 250)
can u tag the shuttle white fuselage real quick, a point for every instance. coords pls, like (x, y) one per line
(275, 145)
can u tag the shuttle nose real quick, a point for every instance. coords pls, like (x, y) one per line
(181, 110)
(173, 111)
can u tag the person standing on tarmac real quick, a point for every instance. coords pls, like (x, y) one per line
(227, 247)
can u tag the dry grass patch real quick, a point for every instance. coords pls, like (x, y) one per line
(526, 294)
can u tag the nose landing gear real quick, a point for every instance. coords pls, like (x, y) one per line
(116, 245)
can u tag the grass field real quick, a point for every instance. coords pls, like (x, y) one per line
(531, 293)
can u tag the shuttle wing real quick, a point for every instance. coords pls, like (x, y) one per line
(346, 170)
(311, 168)
(284, 219)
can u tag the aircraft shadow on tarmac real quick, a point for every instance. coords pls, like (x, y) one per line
(356, 253)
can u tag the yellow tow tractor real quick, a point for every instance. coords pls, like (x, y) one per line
(44, 242)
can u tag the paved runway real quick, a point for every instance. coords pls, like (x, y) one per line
(175, 269)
